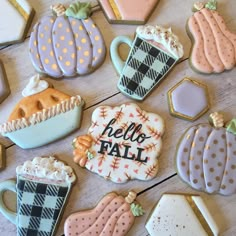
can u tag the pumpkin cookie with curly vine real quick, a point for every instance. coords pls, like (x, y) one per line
(206, 156)
(67, 44)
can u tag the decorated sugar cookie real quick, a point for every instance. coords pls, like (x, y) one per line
(42, 116)
(214, 46)
(68, 44)
(114, 215)
(122, 143)
(206, 156)
(196, 104)
(4, 86)
(183, 215)
(42, 187)
(153, 53)
(128, 12)
(15, 19)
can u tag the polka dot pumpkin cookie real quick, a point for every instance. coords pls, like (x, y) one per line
(114, 215)
(214, 46)
(206, 156)
(67, 44)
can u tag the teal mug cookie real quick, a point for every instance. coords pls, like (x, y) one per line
(42, 188)
(154, 52)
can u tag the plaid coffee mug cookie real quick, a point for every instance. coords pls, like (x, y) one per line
(42, 187)
(154, 52)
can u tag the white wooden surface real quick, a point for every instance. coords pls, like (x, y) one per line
(98, 89)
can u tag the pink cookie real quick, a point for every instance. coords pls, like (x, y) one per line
(68, 44)
(114, 215)
(128, 12)
(123, 143)
(214, 46)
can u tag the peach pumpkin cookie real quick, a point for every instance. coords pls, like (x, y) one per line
(114, 215)
(214, 46)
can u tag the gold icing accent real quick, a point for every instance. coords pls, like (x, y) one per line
(97, 38)
(44, 48)
(52, 21)
(60, 25)
(51, 53)
(54, 66)
(83, 40)
(81, 27)
(71, 43)
(73, 22)
(86, 20)
(67, 63)
(57, 45)
(93, 25)
(35, 43)
(60, 58)
(78, 48)
(37, 56)
(72, 55)
(199, 215)
(64, 50)
(20, 9)
(46, 61)
(41, 35)
(49, 40)
(99, 50)
(76, 35)
(86, 53)
(81, 61)
(68, 30)
(62, 38)
(45, 27)
(115, 9)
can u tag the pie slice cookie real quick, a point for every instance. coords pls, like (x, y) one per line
(41, 112)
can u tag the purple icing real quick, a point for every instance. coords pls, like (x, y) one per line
(206, 159)
(61, 46)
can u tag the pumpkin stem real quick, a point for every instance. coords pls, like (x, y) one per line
(211, 5)
(198, 6)
(217, 119)
(131, 197)
(58, 9)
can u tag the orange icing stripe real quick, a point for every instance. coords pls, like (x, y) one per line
(115, 9)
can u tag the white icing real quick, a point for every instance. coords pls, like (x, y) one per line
(173, 215)
(163, 36)
(48, 168)
(12, 23)
(35, 86)
(45, 114)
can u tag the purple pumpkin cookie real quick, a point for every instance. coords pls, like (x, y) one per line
(206, 156)
(67, 44)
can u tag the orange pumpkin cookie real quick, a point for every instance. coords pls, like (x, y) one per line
(214, 46)
(114, 215)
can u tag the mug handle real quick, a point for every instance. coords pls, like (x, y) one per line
(115, 56)
(4, 186)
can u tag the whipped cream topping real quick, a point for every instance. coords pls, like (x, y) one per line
(163, 36)
(48, 168)
(35, 86)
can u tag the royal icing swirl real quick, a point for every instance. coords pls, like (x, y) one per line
(47, 168)
(45, 114)
(162, 36)
(35, 86)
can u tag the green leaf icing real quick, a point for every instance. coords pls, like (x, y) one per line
(79, 10)
(136, 209)
(231, 127)
(211, 5)
(90, 155)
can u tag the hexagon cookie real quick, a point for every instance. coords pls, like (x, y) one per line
(181, 214)
(15, 19)
(128, 12)
(4, 86)
(188, 99)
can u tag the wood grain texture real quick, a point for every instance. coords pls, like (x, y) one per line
(98, 89)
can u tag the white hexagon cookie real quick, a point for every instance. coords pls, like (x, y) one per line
(15, 19)
(123, 143)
